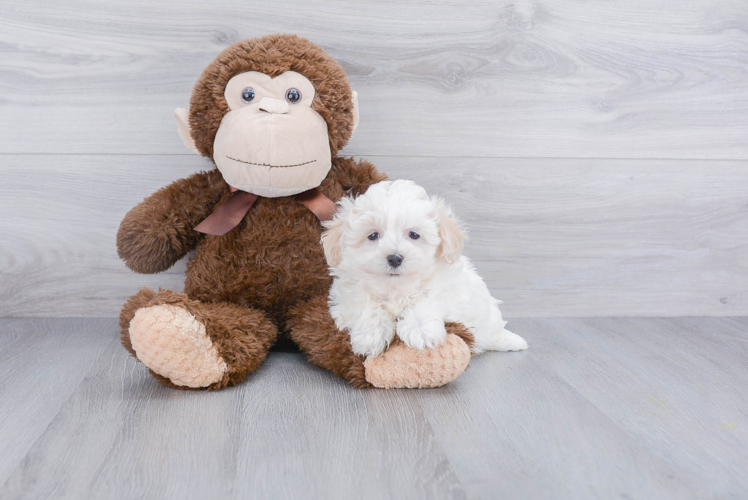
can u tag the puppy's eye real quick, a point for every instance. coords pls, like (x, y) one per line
(248, 94)
(413, 235)
(374, 236)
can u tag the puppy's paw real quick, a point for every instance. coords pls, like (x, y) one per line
(372, 341)
(420, 330)
(508, 341)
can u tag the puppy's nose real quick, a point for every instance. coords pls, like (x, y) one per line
(394, 259)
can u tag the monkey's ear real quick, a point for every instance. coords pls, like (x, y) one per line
(182, 116)
(355, 111)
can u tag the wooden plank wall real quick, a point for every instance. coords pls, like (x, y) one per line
(597, 150)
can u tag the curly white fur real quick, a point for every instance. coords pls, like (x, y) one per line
(374, 299)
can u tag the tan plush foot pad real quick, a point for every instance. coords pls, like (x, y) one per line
(173, 343)
(403, 367)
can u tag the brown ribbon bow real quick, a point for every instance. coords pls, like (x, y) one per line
(230, 214)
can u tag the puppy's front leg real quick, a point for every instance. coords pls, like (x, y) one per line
(372, 332)
(422, 326)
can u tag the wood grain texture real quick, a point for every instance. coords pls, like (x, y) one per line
(599, 238)
(121, 435)
(596, 408)
(678, 386)
(551, 237)
(508, 78)
(41, 365)
(530, 435)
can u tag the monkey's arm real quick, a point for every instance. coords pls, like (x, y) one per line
(355, 177)
(158, 232)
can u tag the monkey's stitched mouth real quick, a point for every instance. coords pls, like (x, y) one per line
(271, 166)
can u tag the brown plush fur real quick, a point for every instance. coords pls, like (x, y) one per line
(268, 274)
(273, 259)
(257, 272)
(461, 331)
(227, 325)
(332, 351)
(159, 231)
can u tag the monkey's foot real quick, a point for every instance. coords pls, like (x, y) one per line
(174, 344)
(403, 367)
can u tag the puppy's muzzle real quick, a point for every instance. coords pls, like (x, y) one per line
(394, 259)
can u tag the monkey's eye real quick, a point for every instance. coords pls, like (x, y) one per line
(374, 236)
(248, 94)
(413, 235)
(293, 96)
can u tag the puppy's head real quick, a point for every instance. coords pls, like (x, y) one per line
(392, 232)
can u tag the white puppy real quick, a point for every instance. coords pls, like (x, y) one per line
(395, 257)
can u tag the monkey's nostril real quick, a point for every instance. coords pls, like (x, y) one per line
(395, 259)
(270, 105)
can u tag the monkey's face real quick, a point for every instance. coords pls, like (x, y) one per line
(272, 143)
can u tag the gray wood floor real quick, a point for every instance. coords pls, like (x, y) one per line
(597, 408)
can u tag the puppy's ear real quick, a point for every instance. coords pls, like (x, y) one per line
(332, 241)
(332, 238)
(450, 231)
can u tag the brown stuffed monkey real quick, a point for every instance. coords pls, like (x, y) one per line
(271, 113)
